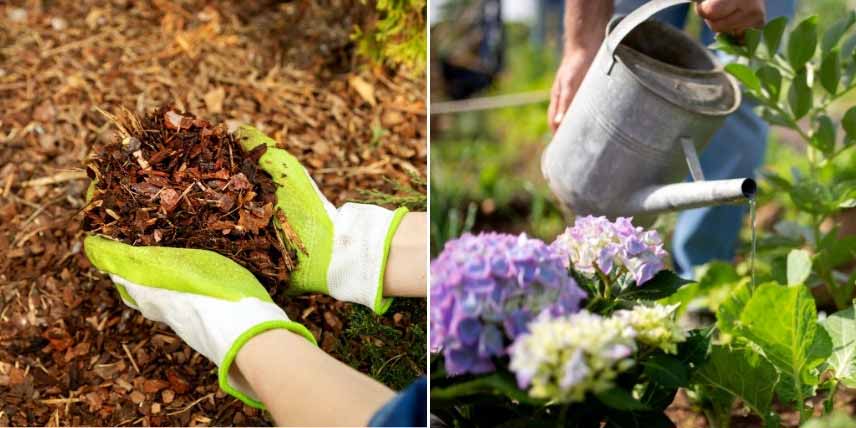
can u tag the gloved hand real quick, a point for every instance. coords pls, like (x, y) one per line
(346, 249)
(211, 302)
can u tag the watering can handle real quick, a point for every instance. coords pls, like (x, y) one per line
(638, 16)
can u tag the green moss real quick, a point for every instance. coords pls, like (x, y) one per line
(395, 356)
(398, 36)
(413, 196)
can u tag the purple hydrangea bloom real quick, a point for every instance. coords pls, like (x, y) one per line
(613, 247)
(484, 291)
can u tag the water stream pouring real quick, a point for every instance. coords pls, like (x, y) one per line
(651, 99)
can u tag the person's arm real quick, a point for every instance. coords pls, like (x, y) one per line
(301, 385)
(585, 25)
(406, 270)
(291, 390)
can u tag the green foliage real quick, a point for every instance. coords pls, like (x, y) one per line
(728, 315)
(662, 285)
(732, 374)
(398, 36)
(773, 32)
(841, 327)
(799, 267)
(816, 70)
(803, 43)
(715, 282)
(500, 384)
(774, 344)
(788, 336)
(667, 370)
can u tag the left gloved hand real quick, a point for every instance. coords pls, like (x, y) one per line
(211, 302)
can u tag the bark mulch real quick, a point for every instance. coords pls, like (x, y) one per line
(70, 352)
(175, 180)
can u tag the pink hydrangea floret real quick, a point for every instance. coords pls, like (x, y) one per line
(613, 247)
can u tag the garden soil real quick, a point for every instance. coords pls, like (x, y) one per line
(70, 352)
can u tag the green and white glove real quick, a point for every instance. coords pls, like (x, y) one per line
(211, 302)
(346, 248)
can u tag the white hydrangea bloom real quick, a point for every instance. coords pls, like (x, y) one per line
(564, 358)
(654, 326)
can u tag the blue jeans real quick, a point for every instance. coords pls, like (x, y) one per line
(735, 151)
(407, 409)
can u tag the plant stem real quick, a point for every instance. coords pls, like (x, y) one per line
(563, 415)
(830, 400)
(607, 286)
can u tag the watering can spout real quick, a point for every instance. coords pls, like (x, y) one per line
(682, 196)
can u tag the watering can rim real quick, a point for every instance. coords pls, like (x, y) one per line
(718, 70)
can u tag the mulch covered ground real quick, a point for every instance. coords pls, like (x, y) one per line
(70, 352)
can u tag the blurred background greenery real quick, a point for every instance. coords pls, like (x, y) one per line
(485, 166)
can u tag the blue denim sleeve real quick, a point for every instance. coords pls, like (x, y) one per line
(407, 409)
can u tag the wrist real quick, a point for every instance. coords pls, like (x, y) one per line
(244, 361)
(585, 47)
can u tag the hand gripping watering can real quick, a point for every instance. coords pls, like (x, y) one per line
(652, 97)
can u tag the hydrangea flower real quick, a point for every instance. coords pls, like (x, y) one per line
(654, 325)
(484, 291)
(564, 358)
(597, 243)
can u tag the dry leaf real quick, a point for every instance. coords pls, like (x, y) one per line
(214, 100)
(365, 89)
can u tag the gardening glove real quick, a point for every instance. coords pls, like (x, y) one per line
(343, 252)
(211, 302)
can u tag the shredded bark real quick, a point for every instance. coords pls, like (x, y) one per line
(174, 180)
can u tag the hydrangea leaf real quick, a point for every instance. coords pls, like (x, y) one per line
(834, 251)
(728, 315)
(663, 284)
(788, 336)
(799, 266)
(499, 384)
(694, 350)
(739, 374)
(638, 419)
(667, 371)
(841, 327)
(618, 398)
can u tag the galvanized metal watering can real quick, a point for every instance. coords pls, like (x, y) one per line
(652, 98)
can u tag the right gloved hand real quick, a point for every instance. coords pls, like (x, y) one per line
(344, 251)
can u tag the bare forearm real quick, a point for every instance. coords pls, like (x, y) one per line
(303, 386)
(406, 268)
(585, 23)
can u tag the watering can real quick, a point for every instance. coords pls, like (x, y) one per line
(650, 101)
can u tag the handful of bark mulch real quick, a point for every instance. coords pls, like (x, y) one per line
(174, 180)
